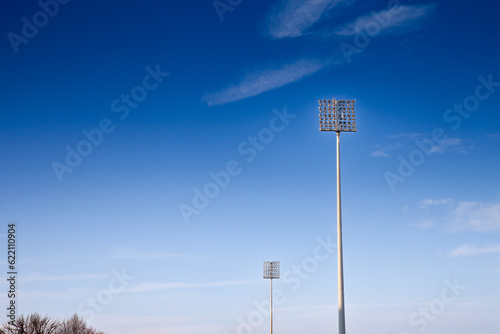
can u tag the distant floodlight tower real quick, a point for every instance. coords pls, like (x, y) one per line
(271, 270)
(338, 115)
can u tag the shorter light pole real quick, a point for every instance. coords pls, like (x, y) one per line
(271, 270)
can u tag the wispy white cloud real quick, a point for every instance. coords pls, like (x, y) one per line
(476, 216)
(423, 142)
(424, 204)
(38, 277)
(459, 216)
(424, 224)
(406, 135)
(383, 151)
(380, 153)
(428, 205)
(467, 250)
(262, 81)
(156, 286)
(291, 18)
(397, 20)
(451, 145)
(133, 254)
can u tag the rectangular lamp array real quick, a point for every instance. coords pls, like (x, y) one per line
(271, 269)
(337, 115)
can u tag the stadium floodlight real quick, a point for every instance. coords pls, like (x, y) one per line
(271, 271)
(339, 116)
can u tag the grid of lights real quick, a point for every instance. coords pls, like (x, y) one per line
(271, 269)
(337, 115)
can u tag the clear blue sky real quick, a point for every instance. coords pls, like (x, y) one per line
(154, 153)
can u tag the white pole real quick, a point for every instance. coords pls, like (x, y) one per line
(339, 246)
(271, 306)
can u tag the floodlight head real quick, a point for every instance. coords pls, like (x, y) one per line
(337, 115)
(271, 269)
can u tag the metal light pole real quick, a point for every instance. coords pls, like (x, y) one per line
(339, 116)
(271, 270)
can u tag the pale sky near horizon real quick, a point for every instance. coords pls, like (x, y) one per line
(154, 153)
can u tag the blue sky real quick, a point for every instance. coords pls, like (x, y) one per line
(155, 153)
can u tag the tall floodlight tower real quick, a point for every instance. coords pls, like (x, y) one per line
(338, 115)
(271, 270)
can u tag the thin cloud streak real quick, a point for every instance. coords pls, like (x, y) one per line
(397, 20)
(263, 81)
(410, 136)
(380, 154)
(155, 286)
(383, 151)
(37, 277)
(467, 250)
(476, 216)
(131, 254)
(293, 17)
(403, 140)
(435, 202)
(451, 145)
(465, 216)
